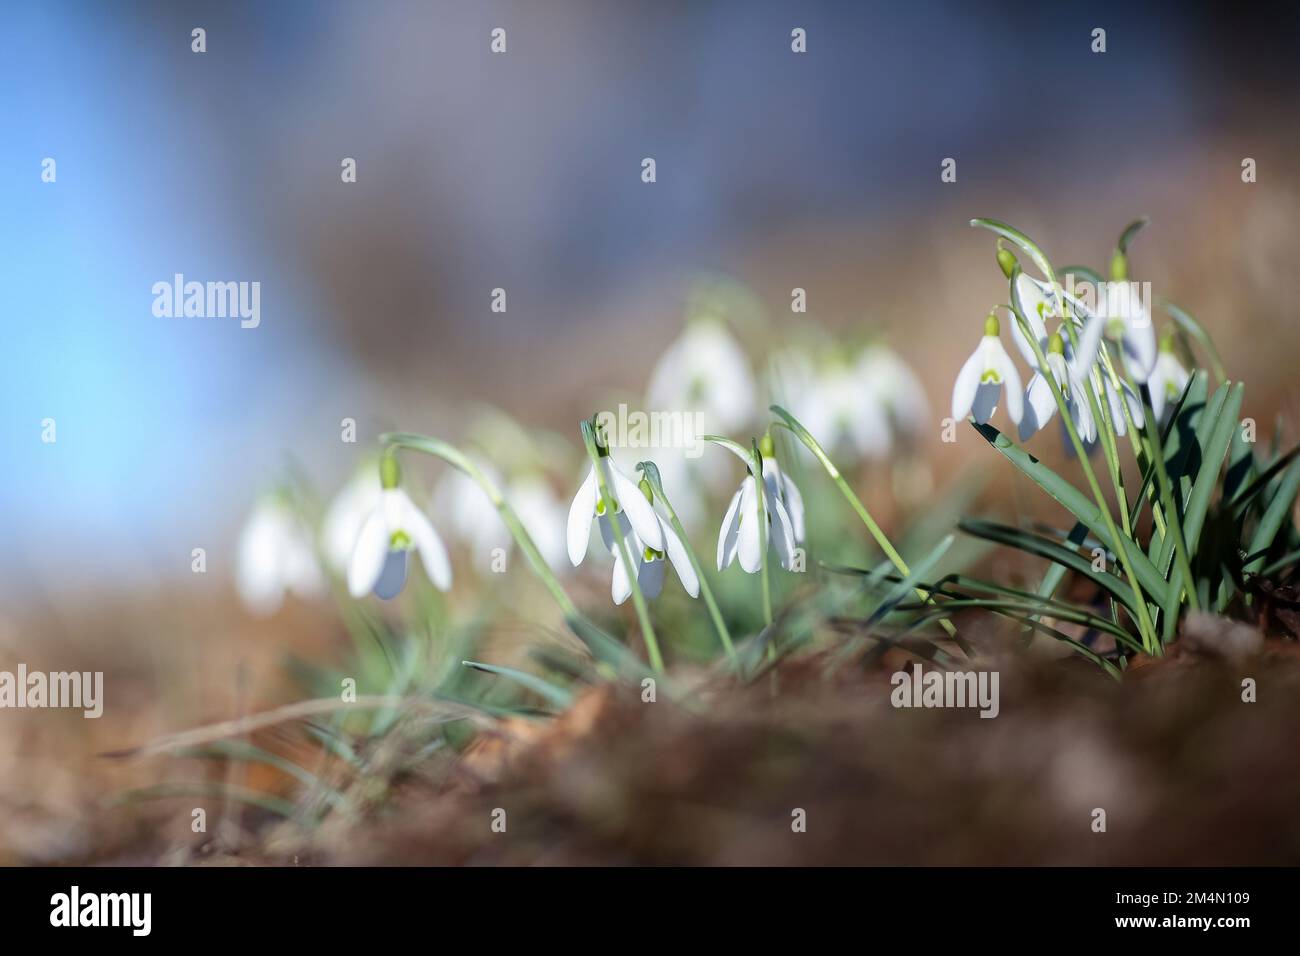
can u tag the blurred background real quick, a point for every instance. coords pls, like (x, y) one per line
(523, 171)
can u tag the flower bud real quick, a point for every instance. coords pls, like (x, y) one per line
(1006, 260)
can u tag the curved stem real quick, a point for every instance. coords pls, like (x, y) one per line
(796, 428)
(455, 457)
(651, 472)
(638, 599)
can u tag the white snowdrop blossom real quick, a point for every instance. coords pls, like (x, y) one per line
(473, 519)
(1071, 370)
(842, 414)
(275, 556)
(630, 508)
(704, 371)
(1037, 301)
(988, 371)
(1128, 322)
(890, 384)
(345, 515)
(739, 534)
(1168, 379)
(392, 530)
(648, 563)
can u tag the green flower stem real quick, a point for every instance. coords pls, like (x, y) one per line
(1145, 627)
(453, 456)
(796, 428)
(760, 490)
(651, 472)
(638, 599)
(1167, 495)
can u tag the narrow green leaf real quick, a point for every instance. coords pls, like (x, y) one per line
(556, 695)
(1079, 505)
(1279, 511)
(1052, 551)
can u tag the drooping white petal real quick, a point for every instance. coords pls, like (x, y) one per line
(1010, 379)
(1037, 307)
(1089, 342)
(891, 384)
(433, 554)
(620, 584)
(368, 555)
(581, 512)
(1040, 406)
(681, 562)
(1167, 381)
(639, 512)
(704, 371)
(748, 547)
(780, 533)
(260, 566)
(728, 534)
(1139, 348)
(967, 384)
(542, 515)
(347, 512)
(794, 505)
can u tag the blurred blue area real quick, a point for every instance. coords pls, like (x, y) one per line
(224, 167)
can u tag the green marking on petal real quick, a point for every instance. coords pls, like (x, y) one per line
(991, 377)
(400, 541)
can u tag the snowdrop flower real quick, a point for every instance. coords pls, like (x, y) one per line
(630, 508)
(891, 383)
(1037, 301)
(1071, 370)
(842, 414)
(347, 513)
(987, 370)
(648, 563)
(1168, 378)
(393, 529)
(739, 535)
(275, 556)
(1128, 322)
(704, 371)
(465, 511)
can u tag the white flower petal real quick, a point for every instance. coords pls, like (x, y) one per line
(581, 513)
(368, 555)
(781, 533)
(643, 518)
(1089, 342)
(729, 533)
(1010, 379)
(1139, 349)
(747, 548)
(794, 505)
(681, 562)
(620, 584)
(433, 554)
(1040, 406)
(967, 384)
